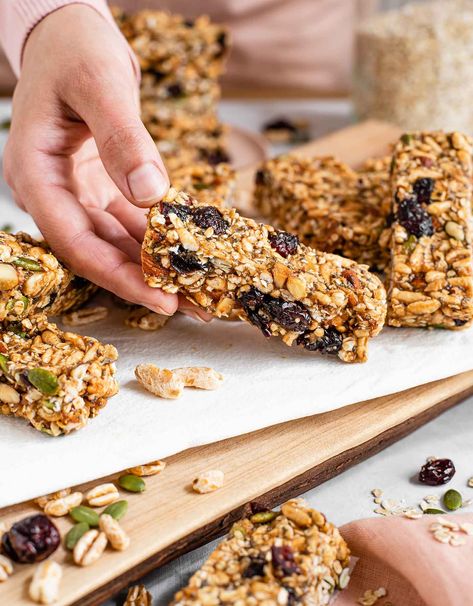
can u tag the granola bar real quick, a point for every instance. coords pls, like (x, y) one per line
(33, 281)
(211, 184)
(165, 43)
(327, 204)
(226, 263)
(56, 380)
(431, 272)
(289, 557)
(31, 278)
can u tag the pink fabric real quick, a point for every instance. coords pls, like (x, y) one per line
(403, 556)
(305, 44)
(19, 17)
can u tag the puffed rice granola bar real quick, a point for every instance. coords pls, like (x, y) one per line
(225, 263)
(327, 204)
(289, 557)
(56, 380)
(431, 273)
(32, 280)
(211, 184)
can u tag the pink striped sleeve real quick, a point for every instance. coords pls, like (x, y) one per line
(19, 17)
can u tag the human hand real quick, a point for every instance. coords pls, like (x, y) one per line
(79, 159)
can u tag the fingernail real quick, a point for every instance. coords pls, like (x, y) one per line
(195, 316)
(147, 183)
(163, 312)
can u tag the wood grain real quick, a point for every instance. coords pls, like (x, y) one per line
(268, 465)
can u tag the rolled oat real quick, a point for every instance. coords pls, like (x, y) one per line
(115, 534)
(89, 547)
(103, 495)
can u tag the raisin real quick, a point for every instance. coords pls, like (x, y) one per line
(330, 343)
(283, 560)
(185, 262)
(414, 218)
(180, 210)
(263, 309)
(157, 74)
(209, 216)
(284, 243)
(31, 540)
(389, 219)
(437, 472)
(255, 568)
(216, 156)
(280, 124)
(189, 22)
(460, 322)
(175, 91)
(222, 45)
(423, 188)
(292, 597)
(260, 177)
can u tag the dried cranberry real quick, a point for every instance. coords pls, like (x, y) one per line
(209, 216)
(179, 210)
(414, 218)
(437, 472)
(423, 188)
(283, 560)
(31, 540)
(255, 568)
(175, 90)
(263, 309)
(330, 343)
(284, 243)
(184, 262)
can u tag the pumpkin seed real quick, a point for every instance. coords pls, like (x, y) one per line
(6, 227)
(433, 511)
(82, 513)
(75, 534)
(452, 499)
(406, 138)
(132, 483)
(43, 380)
(26, 263)
(263, 517)
(117, 510)
(3, 363)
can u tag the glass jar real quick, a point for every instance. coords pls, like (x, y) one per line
(414, 65)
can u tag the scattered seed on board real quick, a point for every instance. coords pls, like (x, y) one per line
(131, 483)
(75, 533)
(102, 495)
(6, 568)
(150, 469)
(371, 596)
(41, 501)
(86, 315)
(89, 547)
(85, 514)
(117, 510)
(208, 481)
(117, 537)
(63, 505)
(44, 587)
(138, 596)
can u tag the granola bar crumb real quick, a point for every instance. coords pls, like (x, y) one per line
(208, 481)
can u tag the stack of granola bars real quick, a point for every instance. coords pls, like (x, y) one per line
(181, 61)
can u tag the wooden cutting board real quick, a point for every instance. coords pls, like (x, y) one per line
(269, 465)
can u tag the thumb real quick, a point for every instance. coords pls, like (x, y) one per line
(126, 149)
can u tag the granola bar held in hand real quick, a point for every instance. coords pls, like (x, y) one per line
(226, 263)
(289, 557)
(56, 380)
(431, 274)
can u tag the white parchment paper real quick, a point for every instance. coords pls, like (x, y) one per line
(265, 383)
